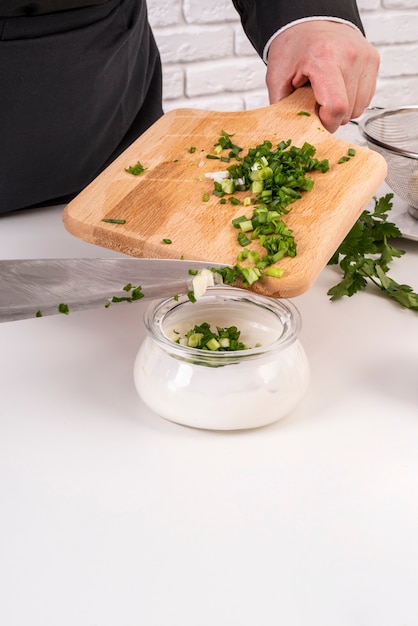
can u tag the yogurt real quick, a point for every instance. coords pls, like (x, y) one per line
(223, 390)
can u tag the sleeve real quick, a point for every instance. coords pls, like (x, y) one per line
(262, 18)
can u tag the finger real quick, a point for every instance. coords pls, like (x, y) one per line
(345, 94)
(365, 92)
(332, 96)
(279, 87)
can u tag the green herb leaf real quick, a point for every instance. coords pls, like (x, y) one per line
(136, 169)
(365, 256)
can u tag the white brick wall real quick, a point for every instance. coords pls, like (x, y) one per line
(208, 62)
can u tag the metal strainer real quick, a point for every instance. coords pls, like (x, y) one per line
(394, 134)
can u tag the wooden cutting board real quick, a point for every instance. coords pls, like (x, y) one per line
(166, 201)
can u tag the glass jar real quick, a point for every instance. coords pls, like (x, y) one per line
(222, 390)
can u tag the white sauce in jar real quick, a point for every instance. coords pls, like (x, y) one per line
(228, 390)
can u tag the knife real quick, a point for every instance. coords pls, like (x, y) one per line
(38, 287)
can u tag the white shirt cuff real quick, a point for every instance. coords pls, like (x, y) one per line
(326, 18)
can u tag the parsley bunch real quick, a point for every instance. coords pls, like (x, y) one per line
(365, 255)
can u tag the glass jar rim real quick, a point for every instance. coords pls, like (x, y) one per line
(285, 311)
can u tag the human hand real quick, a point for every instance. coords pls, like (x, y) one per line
(336, 59)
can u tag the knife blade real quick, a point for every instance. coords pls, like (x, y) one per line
(39, 287)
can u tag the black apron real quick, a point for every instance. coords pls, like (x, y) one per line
(76, 88)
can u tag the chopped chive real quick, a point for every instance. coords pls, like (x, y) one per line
(110, 220)
(168, 241)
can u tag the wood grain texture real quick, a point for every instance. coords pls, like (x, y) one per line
(166, 201)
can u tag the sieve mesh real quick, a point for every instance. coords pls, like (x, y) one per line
(394, 134)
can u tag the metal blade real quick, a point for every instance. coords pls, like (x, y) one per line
(37, 287)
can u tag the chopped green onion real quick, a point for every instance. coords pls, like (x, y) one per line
(275, 272)
(213, 344)
(257, 186)
(276, 178)
(246, 225)
(113, 221)
(228, 185)
(194, 340)
(250, 274)
(135, 293)
(203, 337)
(350, 153)
(239, 220)
(243, 239)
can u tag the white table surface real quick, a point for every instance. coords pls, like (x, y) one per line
(112, 516)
